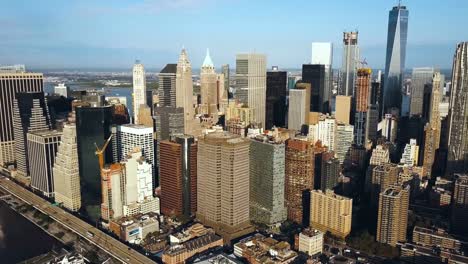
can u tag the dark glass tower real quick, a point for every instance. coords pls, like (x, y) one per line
(315, 74)
(167, 88)
(276, 98)
(93, 126)
(395, 57)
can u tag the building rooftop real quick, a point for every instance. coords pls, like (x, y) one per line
(169, 68)
(47, 133)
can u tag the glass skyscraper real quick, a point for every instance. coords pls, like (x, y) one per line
(396, 54)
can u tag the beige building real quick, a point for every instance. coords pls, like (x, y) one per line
(139, 89)
(311, 241)
(208, 86)
(223, 184)
(383, 176)
(343, 109)
(337, 223)
(299, 106)
(184, 91)
(66, 173)
(393, 215)
(240, 112)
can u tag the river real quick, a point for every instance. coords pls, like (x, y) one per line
(21, 239)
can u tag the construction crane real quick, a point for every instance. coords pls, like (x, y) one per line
(100, 152)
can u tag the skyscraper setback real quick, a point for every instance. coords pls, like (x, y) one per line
(139, 88)
(395, 57)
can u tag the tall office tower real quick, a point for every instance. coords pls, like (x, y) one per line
(178, 176)
(459, 214)
(139, 88)
(344, 139)
(410, 154)
(251, 84)
(432, 129)
(276, 85)
(383, 176)
(343, 109)
(113, 191)
(222, 98)
(419, 78)
(208, 86)
(93, 126)
(144, 116)
(62, 90)
(227, 78)
(267, 165)
(138, 185)
(372, 123)
(361, 96)
(299, 104)
(30, 114)
(330, 172)
(169, 121)
(13, 80)
(66, 170)
(390, 127)
(184, 90)
(223, 184)
(392, 218)
(339, 222)
(395, 58)
(326, 130)
(322, 54)
(376, 97)
(350, 63)
(316, 75)
(300, 163)
(458, 129)
(167, 85)
(42, 149)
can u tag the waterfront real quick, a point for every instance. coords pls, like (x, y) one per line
(20, 239)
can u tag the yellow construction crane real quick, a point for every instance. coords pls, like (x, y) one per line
(100, 152)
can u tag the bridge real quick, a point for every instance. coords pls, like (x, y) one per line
(95, 236)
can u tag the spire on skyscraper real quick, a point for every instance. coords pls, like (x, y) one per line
(208, 62)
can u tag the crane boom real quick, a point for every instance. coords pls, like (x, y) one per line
(100, 152)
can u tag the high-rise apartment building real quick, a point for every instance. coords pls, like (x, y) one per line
(223, 184)
(344, 139)
(457, 161)
(350, 63)
(178, 176)
(276, 85)
(392, 218)
(112, 184)
(459, 214)
(42, 149)
(30, 114)
(419, 78)
(184, 91)
(251, 84)
(300, 163)
(330, 172)
(66, 170)
(167, 86)
(339, 222)
(299, 104)
(13, 80)
(395, 58)
(383, 176)
(362, 99)
(326, 132)
(343, 109)
(267, 167)
(208, 87)
(139, 88)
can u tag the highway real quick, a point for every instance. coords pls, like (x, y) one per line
(107, 243)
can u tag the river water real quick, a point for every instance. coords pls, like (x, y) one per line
(21, 239)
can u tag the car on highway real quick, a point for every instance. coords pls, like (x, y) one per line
(90, 234)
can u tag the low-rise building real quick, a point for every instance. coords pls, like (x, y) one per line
(134, 228)
(310, 241)
(436, 237)
(259, 249)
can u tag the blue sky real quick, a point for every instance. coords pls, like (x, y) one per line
(112, 34)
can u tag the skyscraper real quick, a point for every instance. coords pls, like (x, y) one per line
(343, 109)
(208, 86)
(350, 63)
(139, 88)
(344, 139)
(66, 171)
(251, 84)
(167, 85)
(42, 149)
(395, 57)
(362, 96)
(227, 78)
(13, 80)
(299, 105)
(316, 75)
(410, 154)
(30, 114)
(393, 215)
(330, 172)
(184, 90)
(458, 128)
(223, 184)
(419, 78)
(113, 191)
(276, 85)
(459, 214)
(267, 166)
(383, 176)
(178, 176)
(299, 176)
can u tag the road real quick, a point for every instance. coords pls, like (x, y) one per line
(109, 244)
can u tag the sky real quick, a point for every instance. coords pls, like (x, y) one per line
(57, 34)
